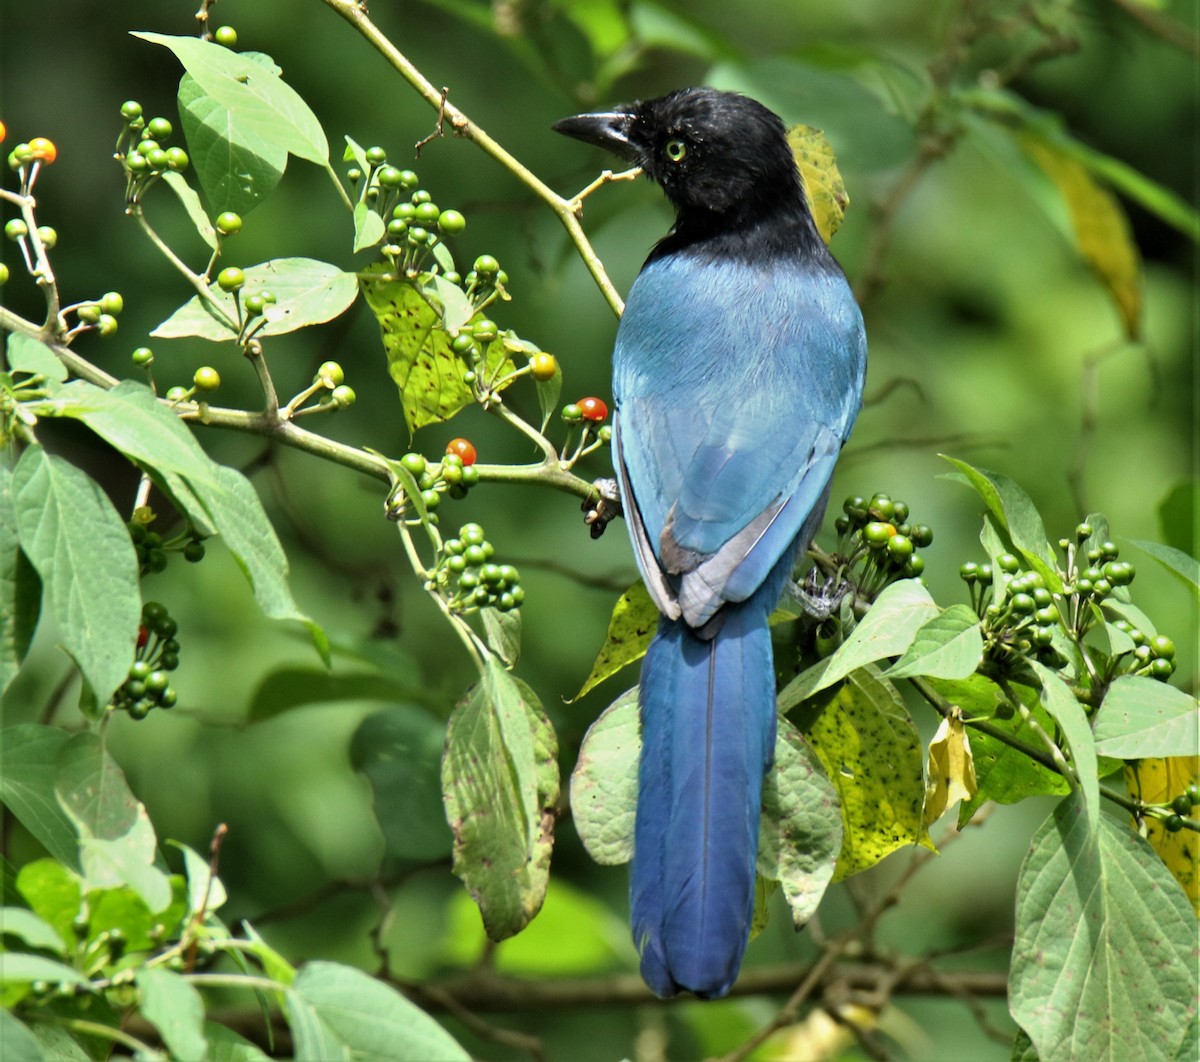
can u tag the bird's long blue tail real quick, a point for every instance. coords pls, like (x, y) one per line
(708, 735)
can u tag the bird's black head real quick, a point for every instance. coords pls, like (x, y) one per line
(716, 153)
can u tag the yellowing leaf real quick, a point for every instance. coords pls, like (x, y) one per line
(951, 775)
(1159, 781)
(1101, 228)
(823, 185)
(632, 624)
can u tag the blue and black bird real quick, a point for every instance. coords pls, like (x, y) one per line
(737, 376)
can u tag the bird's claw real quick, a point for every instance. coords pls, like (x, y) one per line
(601, 509)
(820, 600)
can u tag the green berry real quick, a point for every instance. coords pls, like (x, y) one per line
(475, 555)
(899, 512)
(194, 551)
(168, 661)
(571, 413)
(343, 395)
(1182, 804)
(470, 476)
(254, 305)
(130, 110)
(177, 394)
(143, 356)
(3, 274)
(1162, 647)
(1046, 616)
(376, 156)
(914, 566)
(148, 145)
(48, 235)
(168, 698)
(16, 229)
(969, 572)
(389, 177)
(330, 374)
(1083, 531)
(1162, 669)
(451, 222)
(421, 196)
(354, 175)
(899, 547)
(206, 378)
(877, 534)
(225, 36)
(484, 330)
(139, 670)
(229, 223)
(428, 213)
(486, 265)
(397, 228)
(160, 129)
(922, 535)
(882, 505)
(471, 534)
(1008, 563)
(1174, 823)
(855, 507)
(408, 179)
(177, 159)
(157, 681)
(231, 279)
(1022, 604)
(414, 463)
(106, 325)
(112, 302)
(153, 613)
(137, 162)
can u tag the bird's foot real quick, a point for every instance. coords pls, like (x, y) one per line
(820, 600)
(600, 510)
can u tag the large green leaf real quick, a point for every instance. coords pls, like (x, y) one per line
(267, 107)
(605, 781)
(81, 550)
(1174, 560)
(631, 626)
(306, 291)
(427, 372)
(236, 167)
(947, 646)
(20, 1045)
(358, 1017)
(1142, 717)
(24, 354)
(1068, 713)
(872, 754)
(1104, 959)
(54, 893)
(500, 786)
(175, 1009)
(888, 629)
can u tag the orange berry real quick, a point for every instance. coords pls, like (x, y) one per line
(463, 449)
(3, 132)
(42, 148)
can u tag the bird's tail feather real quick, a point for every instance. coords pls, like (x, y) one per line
(708, 734)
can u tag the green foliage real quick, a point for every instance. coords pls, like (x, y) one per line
(1051, 676)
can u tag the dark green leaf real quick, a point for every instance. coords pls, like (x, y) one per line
(81, 549)
(296, 687)
(1177, 517)
(28, 769)
(500, 785)
(20, 589)
(1103, 962)
(265, 104)
(399, 751)
(1174, 560)
(361, 1017)
(307, 292)
(123, 910)
(20, 1045)
(1142, 717)
(175, 1009)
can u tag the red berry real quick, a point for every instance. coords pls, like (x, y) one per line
(143, 636)
(593, 409)
(463, 449)
(41, 148)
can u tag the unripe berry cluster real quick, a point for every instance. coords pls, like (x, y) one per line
(1021, 619)
(142, 150)
(877, 533)
(148, 685)
(470, 579)
(454, 475)
(1181, 808)
(152, 549)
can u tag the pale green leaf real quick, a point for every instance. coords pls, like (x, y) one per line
(1174, 560)
(20, 588)
(28, 769)
(191, 203)
(1141, 717)
(20, 1044)
(54, 893)
(19, 967)
(604, 783)
(25, 354)
(175, 1009)
(35, 931)
(948, 646)
(368, 227)
(1068, 713)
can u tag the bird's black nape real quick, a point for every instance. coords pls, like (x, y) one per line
(722, 158)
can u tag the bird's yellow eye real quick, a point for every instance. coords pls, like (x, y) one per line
(676, 150)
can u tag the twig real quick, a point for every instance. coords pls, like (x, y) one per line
(440, 129)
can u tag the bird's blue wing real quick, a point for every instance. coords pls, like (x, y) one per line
(736, 386)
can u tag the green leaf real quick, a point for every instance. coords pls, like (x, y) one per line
(20, 589)
(205, 891)
(948, 646)
(801, 832)
(630, 628)
(233, 509)
(1103, 962)
(19, 968)
(124, 910)
(175, 1009)
(117, 844)
(28, 769)
(500, 786)
(307, 292)
(1016, 514)
(398, 750)
(604, 783)
(456, 308)
(1177, 516)
(1068, 713)
(888, 629)
(872, 755)
(132, 420)
(296, 687)
(224, 1045)
(81, 550)
(237, 168)
(28, 355)
(503, 631)
(54, 893)
(1142, 717)
(35, 931)
(368, 227)
(427, 372)
(1174, 560)
(191, 201)
(361, 1017)
(263, 102)
(20, 1045)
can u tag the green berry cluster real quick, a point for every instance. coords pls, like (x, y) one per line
(1019, 614)
(152, 549)
(451, 476)
(143, 152)
(1181, 808)
(877, 535)
(468, 577)
(149, 684)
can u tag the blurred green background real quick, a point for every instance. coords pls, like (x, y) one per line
(988, 335)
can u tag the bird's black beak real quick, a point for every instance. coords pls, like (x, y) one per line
(607, 129)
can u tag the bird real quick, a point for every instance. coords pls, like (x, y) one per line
(738, 373)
